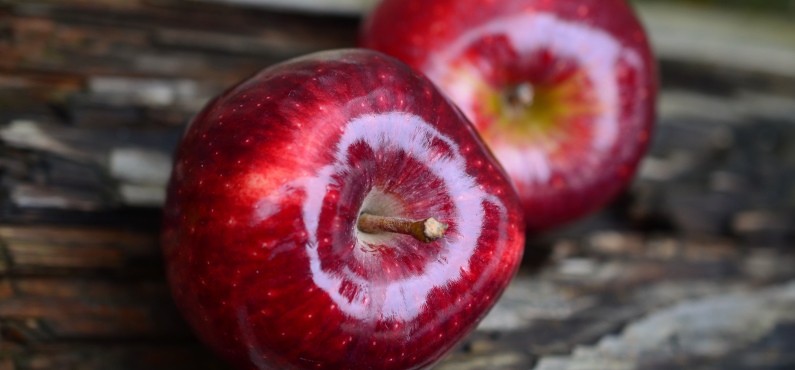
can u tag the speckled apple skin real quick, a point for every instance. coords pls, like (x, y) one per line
(259, 236)
(466, 46)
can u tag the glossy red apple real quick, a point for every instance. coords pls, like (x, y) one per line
(562, 91)
(278, 230)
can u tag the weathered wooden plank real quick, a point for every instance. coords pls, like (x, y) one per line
(57, 309)
(693, 331)
(350, 7)
(117, 356)
(84, 236)
(26, 254)
(62, 250)
(165, 38)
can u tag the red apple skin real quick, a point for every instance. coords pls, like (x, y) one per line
(592, 55)
(259, 235)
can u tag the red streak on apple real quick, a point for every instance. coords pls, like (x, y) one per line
(260, 234)
(562, 91)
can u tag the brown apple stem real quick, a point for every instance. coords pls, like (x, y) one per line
(521, 95)
(426, 230)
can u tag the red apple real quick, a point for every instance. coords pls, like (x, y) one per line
(290, 208)
(562, 91)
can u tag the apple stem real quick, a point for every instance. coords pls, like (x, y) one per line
(426, 230)
(521, 95)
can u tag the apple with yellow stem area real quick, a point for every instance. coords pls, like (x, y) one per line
(562, 91)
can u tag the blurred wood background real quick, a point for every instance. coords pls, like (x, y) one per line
(692, 268)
